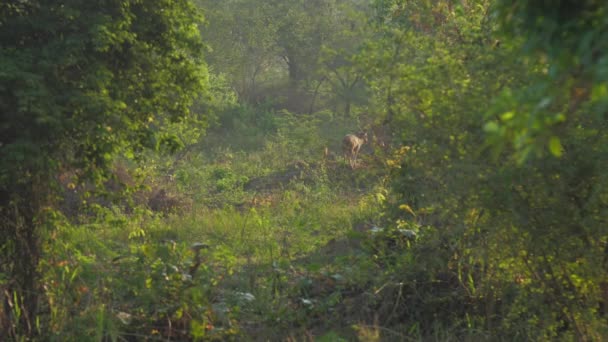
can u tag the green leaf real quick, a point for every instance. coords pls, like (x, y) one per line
(491, 127)
(507, 116)
(129, 154)
(599, 91)
(555, 146)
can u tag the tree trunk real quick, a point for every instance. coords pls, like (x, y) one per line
(293, 69)
(21, 251)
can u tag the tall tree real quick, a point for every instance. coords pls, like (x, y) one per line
(79, 79)
(242, 37)
(252, 41)
(337, 59)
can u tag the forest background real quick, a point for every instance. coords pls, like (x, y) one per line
(173, 170)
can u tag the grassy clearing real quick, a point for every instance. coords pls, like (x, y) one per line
(288, 239)
(277, 223)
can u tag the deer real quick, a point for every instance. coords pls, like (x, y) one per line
(351, 144)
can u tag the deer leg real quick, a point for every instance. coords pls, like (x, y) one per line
(355, 153)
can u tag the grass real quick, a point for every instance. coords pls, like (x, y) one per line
(276, 219)
(274, 235)
(271, 242)
(287, 229)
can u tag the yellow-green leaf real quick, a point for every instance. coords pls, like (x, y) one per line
(507, 116)
(555, 146)
(491, 127)
(407, 208)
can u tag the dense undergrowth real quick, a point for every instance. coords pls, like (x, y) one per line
(282, 241)
(264, 242)
(161, 200)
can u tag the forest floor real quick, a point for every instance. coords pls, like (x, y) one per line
(297, 236)
(277, 242)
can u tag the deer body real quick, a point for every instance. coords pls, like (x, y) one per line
(351, 144)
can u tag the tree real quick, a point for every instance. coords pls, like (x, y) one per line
(79, 79)
(253, 41)
(337, 58)
(242, 35)
(570, 42)
(302, 31)
(316, 41)
(555, 126)
(506, 121)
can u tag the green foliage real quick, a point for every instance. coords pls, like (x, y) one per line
(506, 192)
(110, 279)
(559, 110)
(242, 38)
(80, 80)
(337, 60)
(95, 79)
(288, 51)
(246, 121)
(565, 46)
(476, 212)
